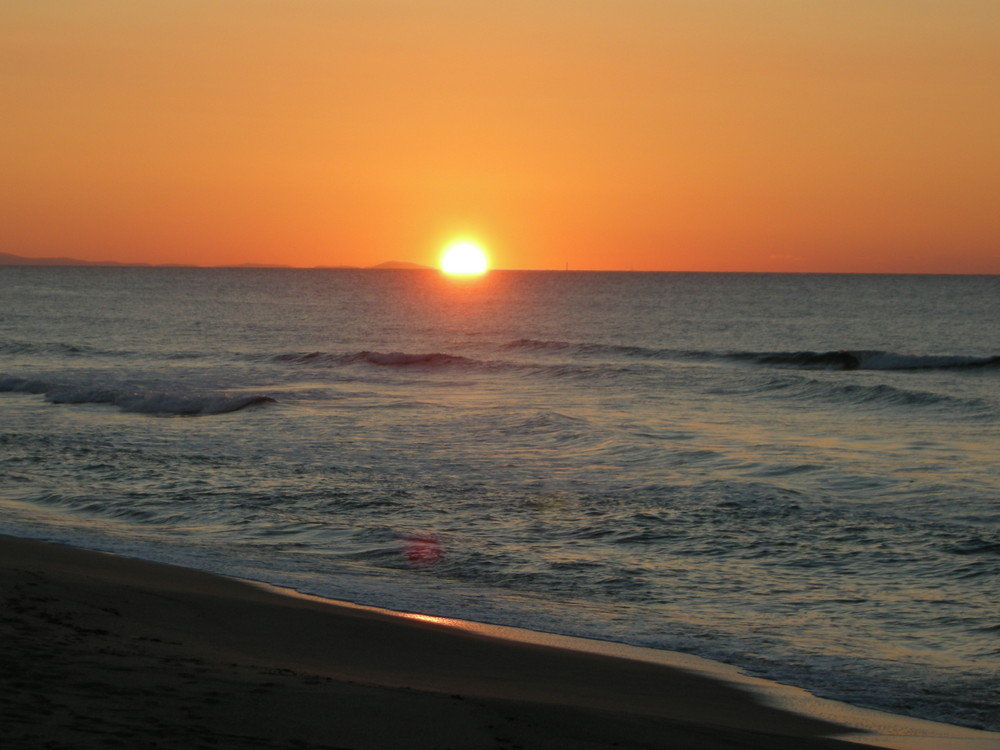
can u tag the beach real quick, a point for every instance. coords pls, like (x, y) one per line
(101, 650)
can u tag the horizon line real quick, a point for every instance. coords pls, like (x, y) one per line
(13, 260)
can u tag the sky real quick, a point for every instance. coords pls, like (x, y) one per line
(677, 135)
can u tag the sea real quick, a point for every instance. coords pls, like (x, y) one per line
(794, 474)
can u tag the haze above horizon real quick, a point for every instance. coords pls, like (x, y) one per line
(8, 259)
(737, 135)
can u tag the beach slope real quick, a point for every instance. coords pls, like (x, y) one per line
(98, 650)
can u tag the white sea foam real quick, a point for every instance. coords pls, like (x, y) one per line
(141, 402)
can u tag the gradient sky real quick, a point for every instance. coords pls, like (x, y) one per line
(737, 135)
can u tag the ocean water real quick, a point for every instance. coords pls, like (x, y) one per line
(795, 474)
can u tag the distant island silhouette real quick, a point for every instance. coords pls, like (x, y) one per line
(9, 259)
(397, 264)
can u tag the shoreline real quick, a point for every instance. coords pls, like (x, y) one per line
(103, 650)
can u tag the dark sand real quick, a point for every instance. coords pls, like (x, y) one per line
(100, 651)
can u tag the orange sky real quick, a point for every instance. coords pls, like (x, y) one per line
(742, 135)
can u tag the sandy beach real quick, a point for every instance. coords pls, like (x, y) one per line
(105, 651)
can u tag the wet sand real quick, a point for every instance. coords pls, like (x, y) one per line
(100, 651)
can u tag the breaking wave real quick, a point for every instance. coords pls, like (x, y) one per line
(842, 359)
(390, 359)
(440, 361)
(867, 360)
(141, 402)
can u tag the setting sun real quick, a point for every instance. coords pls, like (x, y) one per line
(464, 258)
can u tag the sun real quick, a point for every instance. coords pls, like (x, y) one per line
(464, 258)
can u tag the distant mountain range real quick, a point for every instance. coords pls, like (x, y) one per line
(396, 264)
(9, 259)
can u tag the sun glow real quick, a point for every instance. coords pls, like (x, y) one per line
(464, 258)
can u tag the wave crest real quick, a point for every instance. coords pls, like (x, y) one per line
(867, 360)
(139, 402)
(380, 359)
(840, 359)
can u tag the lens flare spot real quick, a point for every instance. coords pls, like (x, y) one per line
(422, 550)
